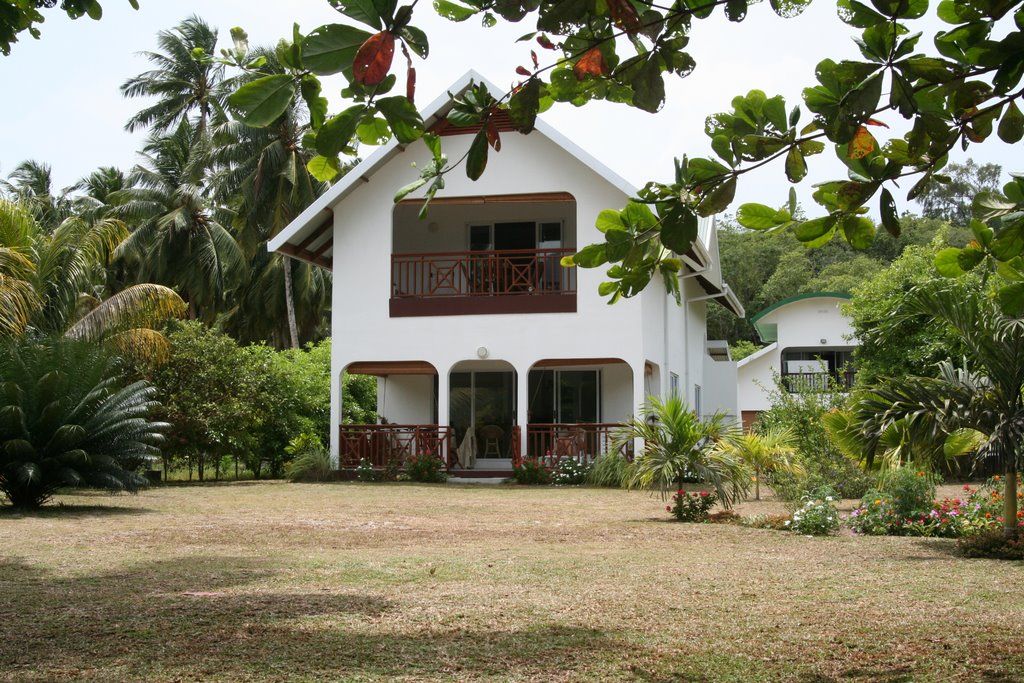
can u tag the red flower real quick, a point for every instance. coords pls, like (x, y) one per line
(668, 508)
(704, 494)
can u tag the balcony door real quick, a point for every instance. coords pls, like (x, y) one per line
(565, 396)
(485, 400)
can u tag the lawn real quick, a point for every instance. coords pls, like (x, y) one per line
(353, 582)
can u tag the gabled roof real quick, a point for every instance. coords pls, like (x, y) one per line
(769, 332)
(309, 237)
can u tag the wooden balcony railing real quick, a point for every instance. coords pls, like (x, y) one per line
(584, 441)
(481, 273)
(797, 382)
(387, 443)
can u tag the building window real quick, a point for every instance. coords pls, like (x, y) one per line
(697, 407)
(673, 384)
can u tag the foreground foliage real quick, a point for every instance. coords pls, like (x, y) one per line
(68, 418)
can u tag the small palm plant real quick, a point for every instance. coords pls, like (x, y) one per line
(679, 445)
(67, 419)
(770, 451)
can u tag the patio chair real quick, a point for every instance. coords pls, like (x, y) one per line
(492, 436)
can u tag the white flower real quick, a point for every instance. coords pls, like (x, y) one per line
(786, 523)
(828, 499)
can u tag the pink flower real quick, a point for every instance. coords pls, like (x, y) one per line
(704, 494)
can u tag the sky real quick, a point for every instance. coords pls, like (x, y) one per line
(64, 106)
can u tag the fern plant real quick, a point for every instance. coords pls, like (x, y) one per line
(67, 418)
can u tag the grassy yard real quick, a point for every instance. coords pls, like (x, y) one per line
(353, 582)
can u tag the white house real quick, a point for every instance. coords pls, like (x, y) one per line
(470, 322)
(809, 342)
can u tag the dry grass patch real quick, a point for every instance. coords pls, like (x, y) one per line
(353, 582)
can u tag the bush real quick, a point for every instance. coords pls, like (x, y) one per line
(310, 460)
(365, 471)
(692, 507)
(610, 470)
(823, 464)
(532, 471)
(991, 544)
(569, 472)
(426, 468)
(68, 418)
(818, 516)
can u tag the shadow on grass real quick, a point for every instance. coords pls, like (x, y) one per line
(63, 510)
(201, 618)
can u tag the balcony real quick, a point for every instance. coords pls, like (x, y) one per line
(482, 282)
(801, 382)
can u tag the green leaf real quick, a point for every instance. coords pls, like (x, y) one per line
(590, 256)
(788, 8)
(857, 14)
(989, 205)
(970, 257)
(811, 230)
(859, 232)
(1011, 299)
(476, 161)
(649, 86)
(761, 217)
(416, 39)
(718, 199)
(411, 187)
(406, 123)
(324, 169)
(261, 102)
(947, 262)
(606, 288)
(373, 130)
(679, 229)
(337, 132)
(609, 219)
(982, 232)
(524, 105)
(887, 207)
(1011, 126)
(453, 11)
(796, 167)
(316, 104)
(365, 11)
(332, 48)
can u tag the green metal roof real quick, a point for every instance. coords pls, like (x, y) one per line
(770, 332)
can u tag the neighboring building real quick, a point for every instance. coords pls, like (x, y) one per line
(468, 318)
(809, 344)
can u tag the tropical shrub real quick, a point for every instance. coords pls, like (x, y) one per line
(764, 521)
(569, 472)
(531, 471)
(817, 516)
(310, 460)
(680, 446)
(610, 469)
(992, 544)
(69, 418)
(426, 468)
(692, 507)
(365, 471)
(771, 451)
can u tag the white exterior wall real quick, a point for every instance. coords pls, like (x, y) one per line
(617, 404)
(400, 398)
(719, 388)
(800, 324)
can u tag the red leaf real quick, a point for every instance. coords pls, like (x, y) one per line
(492, 136)
(876, 122)
(590, 64)
(373, 60)
(862, 144)
(410, 84)
(624, 15)
(522, 71)
(546, 43)
(536, 62)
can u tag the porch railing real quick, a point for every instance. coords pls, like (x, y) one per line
(383, 444)
(481, 273)
(796, 382)
(583, 441)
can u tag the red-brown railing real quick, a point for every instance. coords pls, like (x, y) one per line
(383, 444)
(516, 449)
(481, 273)
(584, 441)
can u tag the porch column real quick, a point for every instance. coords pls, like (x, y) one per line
(443, 391)
(523, 408)
(337, 388)
(639, 396)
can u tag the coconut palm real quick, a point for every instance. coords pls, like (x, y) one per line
(186, 80)
(983, 393)
(179, 240)
(679, 445)
(31, 184)
(53, 283)
(773, 450)
(67, 419)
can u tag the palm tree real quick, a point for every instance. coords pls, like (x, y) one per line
(679, 445)
(179, 241)
(263, 170)
(773, 450)
(185, 80)
(53, 283)
(31, 183)
(983, 394)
